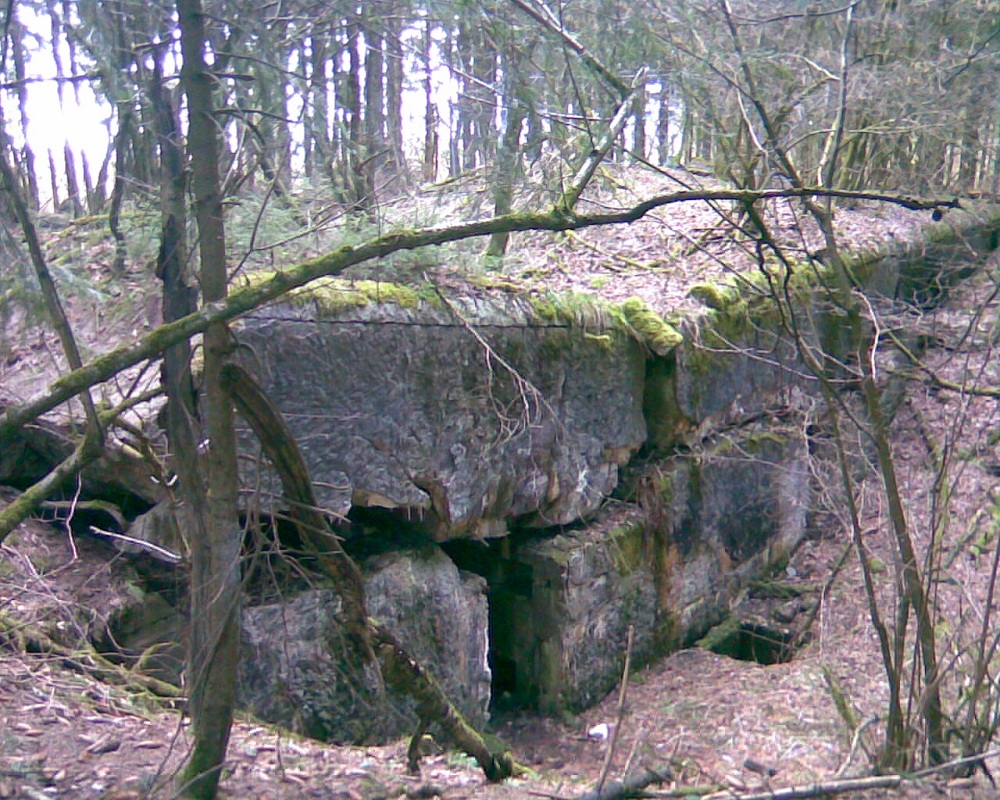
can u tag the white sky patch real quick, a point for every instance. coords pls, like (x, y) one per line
(80, 120)
(87, 122)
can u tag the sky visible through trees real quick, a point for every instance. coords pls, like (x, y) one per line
(357, 96)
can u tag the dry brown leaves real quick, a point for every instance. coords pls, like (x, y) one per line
(62, 735)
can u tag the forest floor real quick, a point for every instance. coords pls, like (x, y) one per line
(710, 718)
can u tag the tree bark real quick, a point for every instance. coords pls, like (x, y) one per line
(16, 32)
(317, 142)
(395, 56)
(508, 163)
(125, 112)
(215, 555)
(72, 185)
(430, 160)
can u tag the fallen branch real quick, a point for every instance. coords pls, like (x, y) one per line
(243, 300)
(935, 379)
(822, 789)
(69, 507)
(406, 676)
(25, 504)
(976, 758)
(632, 786)
(620, 717)
(29, 639)
(635, 786)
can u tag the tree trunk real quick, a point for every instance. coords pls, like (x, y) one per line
(215, 556)
(482, 139)
(663, 128)
(72, 187)
(395, 55)
(88, 184)
(507, 163)
(53, 181)
(275, 140)
(374, 83)
(639, 120)
(125, 112)
(318, 135)
(16, 33)
(431, 121)
(353, 162)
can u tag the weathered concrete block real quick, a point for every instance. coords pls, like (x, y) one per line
(730, 512)
(737, 358)
(293, 666)
(588, 587)
(465, 419)
(709, 522)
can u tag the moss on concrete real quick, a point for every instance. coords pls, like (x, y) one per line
(717, 636)
(333, 295)
(627, 546)
(717, 296)
(649, 327)
(574, 309)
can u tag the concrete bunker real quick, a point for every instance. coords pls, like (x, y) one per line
(639, 484)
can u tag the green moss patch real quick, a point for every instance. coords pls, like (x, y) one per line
(575, 310)
(333, 295)
(717, 296)
(627, 546)
(649, 327)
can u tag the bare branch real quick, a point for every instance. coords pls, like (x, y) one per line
(50, 294)
(828, 160)
(597, 155)
(542, 14)
(249, 298)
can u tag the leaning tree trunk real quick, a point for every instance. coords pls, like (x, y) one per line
(215, 557)
(374, 644)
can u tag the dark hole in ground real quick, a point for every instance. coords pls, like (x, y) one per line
(750, 641)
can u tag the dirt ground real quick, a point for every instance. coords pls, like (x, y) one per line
(704, 715)
(702, 720)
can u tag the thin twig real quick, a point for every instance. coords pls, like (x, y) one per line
(335, 262)
(958, 762)
(162, 552)
(821, 789)
(620, 718)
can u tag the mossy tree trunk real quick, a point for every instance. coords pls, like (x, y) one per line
(375, 645)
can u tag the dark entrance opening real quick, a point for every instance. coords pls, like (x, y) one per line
(512, 620)
(750, 641)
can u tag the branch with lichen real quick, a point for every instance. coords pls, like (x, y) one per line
(242, 301)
